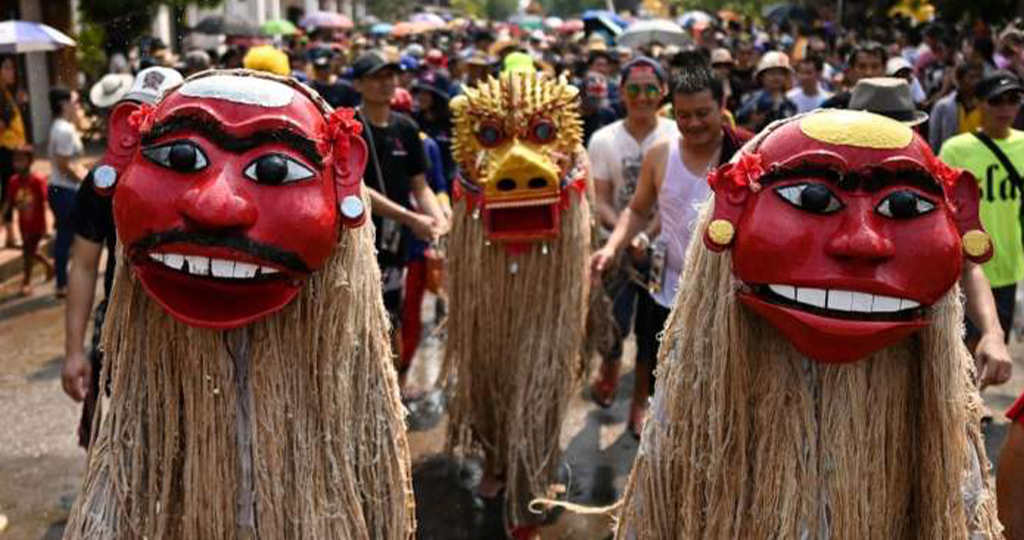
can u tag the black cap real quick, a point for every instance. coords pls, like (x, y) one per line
(433, 83)
(998, 82)
(321, 57)
(371, 62)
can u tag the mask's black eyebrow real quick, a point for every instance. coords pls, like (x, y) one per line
(879, 177)
(212, 131)
(871, 179)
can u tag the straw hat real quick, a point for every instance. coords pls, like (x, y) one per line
(110, 89)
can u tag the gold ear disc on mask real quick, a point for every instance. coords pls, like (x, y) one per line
(976, 243)
(721, 232)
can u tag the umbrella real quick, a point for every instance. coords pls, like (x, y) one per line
(278, 27)
(229, 25)
(693, 18)
(553, 23)
(433, 19)
(411, 28)
(781, 13)
(26, 36)
(382, 28)
(659, 30)
(528, 22)
(326, 19)
(602, 19)
(571, 26)
(728, 15)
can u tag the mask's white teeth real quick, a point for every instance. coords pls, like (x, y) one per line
(861, 302)
(245, 270)
(885, 304)
(222, 268)
(908, 304)
(199, 266)
(786, 291)
(814, 297)
(157, 257)
(840, 300)
(174, 260)
(266, 270)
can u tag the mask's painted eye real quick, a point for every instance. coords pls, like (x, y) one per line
(816, 198)
(542, 131)
(904, 204)
(179, 156)
(276, 169)
(490, 134)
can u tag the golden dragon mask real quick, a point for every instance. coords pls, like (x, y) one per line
(518, 144)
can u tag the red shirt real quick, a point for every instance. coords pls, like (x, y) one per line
(1016, 413)
(28, 193)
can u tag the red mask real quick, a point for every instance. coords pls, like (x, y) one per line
(846, 227)
(234, 193)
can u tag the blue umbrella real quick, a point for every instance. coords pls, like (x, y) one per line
(382, 28)
(593, 19)
(26, 36)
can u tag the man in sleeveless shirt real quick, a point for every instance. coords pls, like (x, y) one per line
(673, 179)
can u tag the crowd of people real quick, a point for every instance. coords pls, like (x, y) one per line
(657, 118)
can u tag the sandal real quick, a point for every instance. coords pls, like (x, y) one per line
(603, 389)
(637, 417)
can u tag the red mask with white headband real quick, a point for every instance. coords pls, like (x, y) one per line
(235, 192)
(844, 228)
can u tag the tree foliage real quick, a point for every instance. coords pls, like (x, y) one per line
(124, 21)
(497, 10)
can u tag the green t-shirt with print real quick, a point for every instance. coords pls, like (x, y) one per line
(1000, 199)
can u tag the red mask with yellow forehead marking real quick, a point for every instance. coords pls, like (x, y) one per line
(843, 228)
(517, 140)
(234, 194)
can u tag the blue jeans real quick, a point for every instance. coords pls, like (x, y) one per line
(62, 203)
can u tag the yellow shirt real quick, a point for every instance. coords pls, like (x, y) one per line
(969, 122)
(14, 135)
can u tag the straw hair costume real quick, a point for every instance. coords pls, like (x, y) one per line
(749, 438)
(519, 286)
(289, 426)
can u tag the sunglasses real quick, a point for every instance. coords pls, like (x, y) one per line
(1009, 98)
(649, 91)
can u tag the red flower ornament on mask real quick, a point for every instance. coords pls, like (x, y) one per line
(847, 228)
(231, 198)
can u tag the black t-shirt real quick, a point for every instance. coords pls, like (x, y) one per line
(399, 151)
(338, 94)
(93, 220)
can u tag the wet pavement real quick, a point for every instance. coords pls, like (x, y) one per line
(41, 466)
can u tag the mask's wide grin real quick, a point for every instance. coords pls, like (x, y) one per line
(215, 286)
(198, 265)
(840, 303)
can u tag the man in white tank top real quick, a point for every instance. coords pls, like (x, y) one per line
(673, 178)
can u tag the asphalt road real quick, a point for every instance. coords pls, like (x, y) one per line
(41, 466)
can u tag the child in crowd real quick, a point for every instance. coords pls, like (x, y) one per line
(26, 193)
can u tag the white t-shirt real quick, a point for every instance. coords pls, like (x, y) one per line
(805, 103)
(616, 156)
(64, 141)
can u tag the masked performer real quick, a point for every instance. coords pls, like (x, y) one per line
(815, 384)
(252, 393)
(518, 261)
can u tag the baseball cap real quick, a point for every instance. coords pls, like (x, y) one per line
(321, 57)
(895, 65)
(151, 83)
(996, 83)
(371, 62)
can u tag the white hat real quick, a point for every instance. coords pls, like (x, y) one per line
(895, 65)
(151, 83)
(110, 89)
(773, 60)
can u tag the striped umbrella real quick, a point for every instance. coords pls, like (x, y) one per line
(26, 36)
